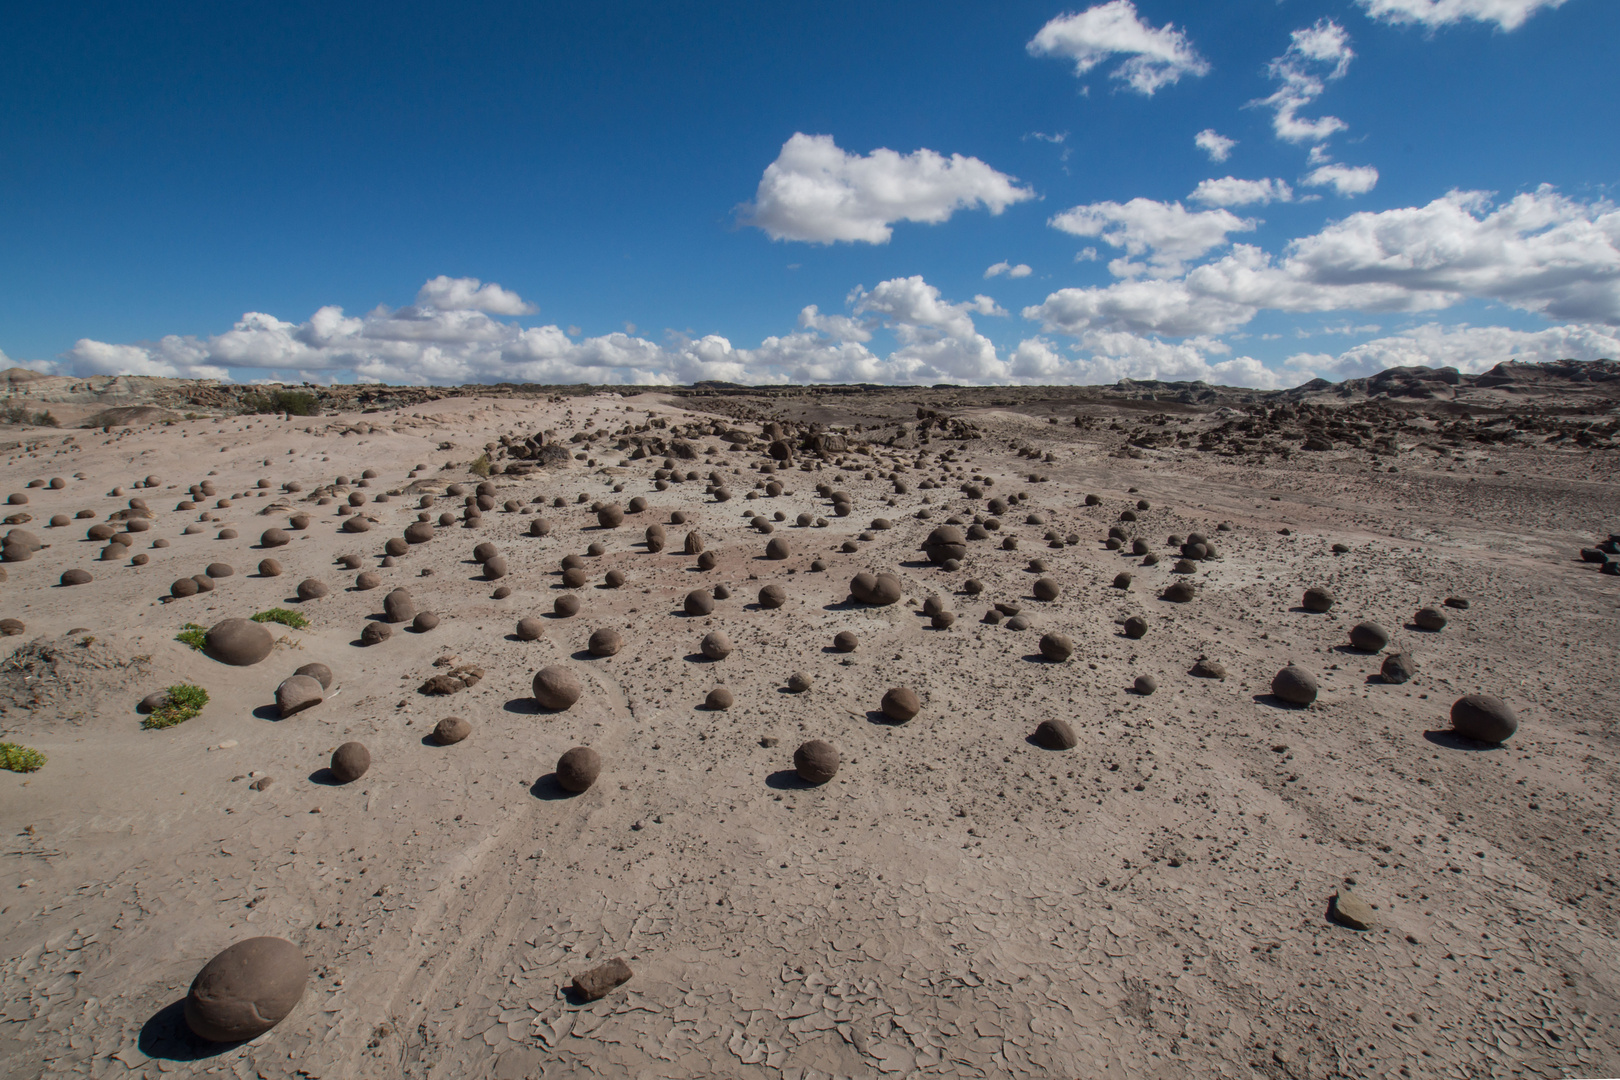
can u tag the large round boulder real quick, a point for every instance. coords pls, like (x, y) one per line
(1294, 685)
(238, 642)
(451, 730)
(1430, 619)
(246, 990)
(945, 542)
(901, 704)
(1484, 717)
(297, 693)
(419, 532)
(699, 602)
(578, 769)
(715, 645)
(816, 761)
(1056, 647)
(317, 671)
(1045, 589)
(310, 589)
(556, 688)
(1398, 668)
(610, 516)
(274, 538)
(1055, 735)
(399, 606)
(605, 642)
(1317, 599)
(1368, 637)
(879, 590)
(350, 762)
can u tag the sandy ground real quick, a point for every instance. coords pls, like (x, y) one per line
(957, 902)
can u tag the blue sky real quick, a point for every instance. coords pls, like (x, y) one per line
(644, 193)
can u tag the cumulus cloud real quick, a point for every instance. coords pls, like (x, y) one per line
(1155, 57)
(1470, 349)
(1143, 307)
(1316, 55)
(818, 193)
(935, 336)
(1019, 271)
(1108, 356)
(445, 293)
(1506, 14)
(1230, 191)
(1217, 146)
(1167, 233)
(1344, 179)
(44, 367)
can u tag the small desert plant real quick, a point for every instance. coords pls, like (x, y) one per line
(292, 402)
(286, 618)
(481, 466)
(184, 702)
(19, 758)
(192, 634)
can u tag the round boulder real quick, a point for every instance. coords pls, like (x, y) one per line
(1056, 647)
(1146, 684)
(720, 699)
(901, 704)
(1136, 627)
(778, 548)
(1045, 589)
(1368, 637)
(424, 621)
(238, 642)
(699, 602)
(1398, 668)
(1294, 685)
(182, 588)
(375, 633)
(530, 629)
(419, 532)
(246, 990)
(1055, 735)
(1317, 599)
(772, 596)
(274, 538)
(816, 761)
(556, 688)
(76, 577)
(269, 568)
(494, 567)
(1429, 619)
(398, 606)
(605, 643)
(451, 730)
(350, 762)
(297, 693)
(845, 641)
(715, 645)
(310, 589)
(1484, 717)
(566, 605)
(945, 542)
(578, 769)
(319, 672)
(610, 516)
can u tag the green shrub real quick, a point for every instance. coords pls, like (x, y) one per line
(19, 758)
(481, 466)
(192, 634)
(284, 617)
(292, 402)
(184, 702)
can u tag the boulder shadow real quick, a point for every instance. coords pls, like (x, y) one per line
(1416, 629)
(878, 716)
(698, 658)
(550, 790)
(1453, 741)
(524, 706)
(787, 780)
(919, 564)
(1299, 609)
(850, 604)
(268, 712)
(167, 1037)
(1351, 650)
(1272, 701)
(586, 654)
(429, 740)
(325, 778)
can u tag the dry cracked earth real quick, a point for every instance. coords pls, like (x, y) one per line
(956, 902)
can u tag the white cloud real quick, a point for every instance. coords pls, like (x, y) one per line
(445, 293)
(1168, 233)
(1470, 349)
(44, 367)
(1157, 57)
(1217, 146)
(1108, 356)
(1344, 179)
(935, 335)
(1019, 271)
(837, 327)
(816, 192)
(1230, 191)
(1156, 307)
(1507, 14)
(1324, 45)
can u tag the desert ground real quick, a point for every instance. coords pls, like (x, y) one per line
(958, 901)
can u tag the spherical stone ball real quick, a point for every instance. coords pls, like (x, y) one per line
(900, 704)
(1113, 543)
(238, 642)
(566, 605)
(798, 683)
(76, 577)
(356, 524)
(375, 633)
(638, 505)
(399, 606)
(310, 589)
(572, 562)
(720, 699)
(350, 762)
(1484, 717)
(614, 579)
(886, 590)
(494, 568)
(693, 544)
(816, 761)
(1294, 685)
(484, 551)
(772, 597)
(1179, 592)
(182, 588)
(204, 582)
(707, 561)
(721, 592)
(395, 547)
(113, 552)
(1045, 589)
(451, 730)
(605, 643)
(11, 627)
(778, 548)
(530, 629)
(299, 521)
(945, 542)
(59, 520)
(1056, 647)
(319, 672)
(424, 621)
(973, 586)
(246, 990)
(269, 568)
(655, 538)
(1018, 622)
(610, 516)
(575, 577)
(556, 688)
(1398, 668)
(1146, 684)
(447, 519)
(274, 538)
(845, 641)
(1317, 599)
(578, 769)
(943, 621)
(539, 527)
(934, 605)
(1368, 637)
(1055, 735)
(297, 693)
(715, 645)
(102, 531)
(699, 602)
(1136, 627)
(1429, 619)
